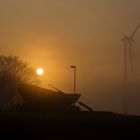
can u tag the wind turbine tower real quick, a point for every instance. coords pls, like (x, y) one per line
(128, 54)
(128, 60)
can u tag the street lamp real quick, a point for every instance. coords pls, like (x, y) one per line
(74, 87)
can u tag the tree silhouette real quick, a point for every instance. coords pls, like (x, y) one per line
(13, 71)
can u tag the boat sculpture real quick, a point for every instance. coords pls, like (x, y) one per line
(41, 99)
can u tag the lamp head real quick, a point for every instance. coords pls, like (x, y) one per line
(73, 66)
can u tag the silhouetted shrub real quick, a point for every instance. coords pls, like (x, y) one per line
(13, 71)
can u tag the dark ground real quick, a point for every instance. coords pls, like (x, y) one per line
(82, 125)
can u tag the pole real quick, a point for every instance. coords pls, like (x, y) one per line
(74, 86)
(125, 105)
(125, 63)
(131, 58)
(74, 80)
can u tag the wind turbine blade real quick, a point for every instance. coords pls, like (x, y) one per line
(131, 57)
(132, 35)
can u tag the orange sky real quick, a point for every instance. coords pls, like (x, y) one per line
(55, 34)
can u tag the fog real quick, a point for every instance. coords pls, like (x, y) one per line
(56, 34)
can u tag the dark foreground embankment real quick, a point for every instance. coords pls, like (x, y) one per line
(82, 125)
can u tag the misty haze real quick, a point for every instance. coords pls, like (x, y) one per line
(70, 56)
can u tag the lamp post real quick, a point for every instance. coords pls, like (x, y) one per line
(74, 87)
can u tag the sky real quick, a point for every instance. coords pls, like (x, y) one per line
(55, 34)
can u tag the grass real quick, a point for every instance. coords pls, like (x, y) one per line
(78, 125)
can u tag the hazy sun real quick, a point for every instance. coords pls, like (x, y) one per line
(39, 71)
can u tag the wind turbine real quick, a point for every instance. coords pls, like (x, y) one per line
(128, 41)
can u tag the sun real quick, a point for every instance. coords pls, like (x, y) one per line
(39, 71)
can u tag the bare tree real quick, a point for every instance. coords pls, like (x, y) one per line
(13, 71)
